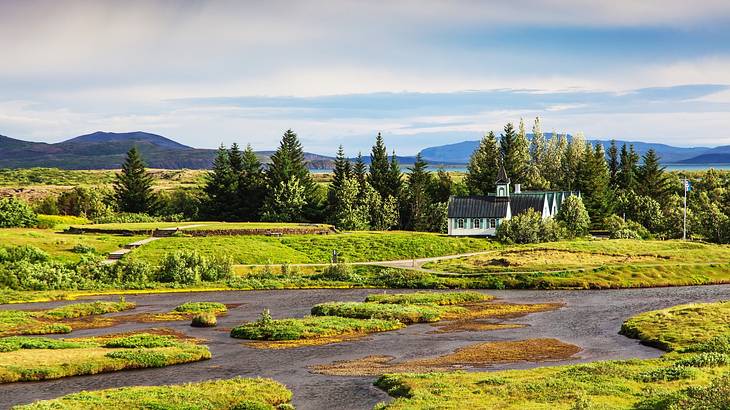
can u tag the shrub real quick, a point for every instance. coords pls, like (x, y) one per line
(205, 319)
(87, 202)
(133, 271)
(55, 221)
(717, 344)
(529, 227)
(710, 359)
(404, 279)
(125, 218)
(15, 213)
(219, 267)
(25, 253)
(714, 396)
(81, 248)
(339, 272)
(574, 216)
(187, 267)
(667, 374)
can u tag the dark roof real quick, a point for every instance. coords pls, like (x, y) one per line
(502, 177)
(524, 201)
(477, 207)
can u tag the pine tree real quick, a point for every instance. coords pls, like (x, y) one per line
(251, 186)
(483, 166)
(627, 169)
(219, 187)
(235, 159)
(133, 185)
(379, 168)
(395, 177)
(359, 172)
(442, 187)
(613, 163)
(593, 182)
(652, 178)
(418, 200)
(515, 152)
(538, 145)
(288, 174)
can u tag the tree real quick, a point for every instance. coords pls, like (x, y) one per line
(342, 172)
(613, 163)
(572, 157)
(627, 168)
(251, 186)
(220, 187)
(552, 167)
(515, 152)
(483, 165)
(529, 227)
(349, 214)
(287, 174)
(395, 177)
(418, 199)
(593, 182)
(379, 168)
(442, 187)
(538, 145)
(133, 185)
(574, 216)
(653, 180)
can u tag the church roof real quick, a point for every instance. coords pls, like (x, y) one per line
(477, 207)
(502, 177)
(523, 201)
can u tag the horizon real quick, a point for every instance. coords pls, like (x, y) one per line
(424, 74)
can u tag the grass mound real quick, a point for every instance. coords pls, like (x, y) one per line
(87, 309)
(238, 393)
(370, 310)
(201, 307)
(311, 327)
(680, 326)
(427, 298)
(205, 319)
(31, 359)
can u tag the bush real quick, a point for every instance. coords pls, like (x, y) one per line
(56, 221)
(125, 218)
(205, 319)
(717, 344)
(404, 279)
(714, 396)
(133, 271)
(81, 248)
(25, 253)
(710, 359)
(188, 267)
(339, 272)
(529, 227)
(15, 213)
(667, 374)
(90, 203)
(574, 216)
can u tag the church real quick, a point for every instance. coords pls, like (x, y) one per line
(481, 215)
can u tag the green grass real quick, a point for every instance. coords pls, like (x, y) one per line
(692, 376)
(60, 246)
(238, 393)
(367, 310)
(421, 298)
(31, 359)
(680, 326)
(19, 322)
(311, 327)
(201, 307)
(352, 247)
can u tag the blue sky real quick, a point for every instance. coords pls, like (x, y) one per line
(338, 72)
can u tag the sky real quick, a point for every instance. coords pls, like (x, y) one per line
(423, 72)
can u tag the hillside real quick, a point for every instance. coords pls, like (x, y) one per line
(718, 155)
(106, 150)
(461, 151)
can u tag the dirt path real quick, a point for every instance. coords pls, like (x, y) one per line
(590, 319)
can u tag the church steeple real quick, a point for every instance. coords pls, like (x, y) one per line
(502, 183)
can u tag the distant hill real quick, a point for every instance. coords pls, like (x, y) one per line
(106, 150)
(718, 155)
(461, 151)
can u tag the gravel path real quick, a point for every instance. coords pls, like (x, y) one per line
(590, 319)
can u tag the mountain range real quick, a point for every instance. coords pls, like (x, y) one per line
(106, 150)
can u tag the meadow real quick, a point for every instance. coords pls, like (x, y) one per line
(693, 375)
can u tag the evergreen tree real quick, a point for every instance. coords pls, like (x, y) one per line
(288, 175)
(572, 157)
(613, 163)
(379, 168)
(133, 185)
(359, 172)
(219, 187)
(593, 182)
(235, 159)
(653, 181)
(574, 216)
(552, 166)
(418, 200)
(442, 187)
(627, 169)
(395, 177)
(251, 186)
(342, 172)
(515, 152)
(483, 166)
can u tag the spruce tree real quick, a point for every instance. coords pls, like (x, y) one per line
(593, 182)
(572, 157)
(395, 177)
(613, 163)
(342, 172)
(133, 185)
(219, 187)
(483, 165)
(652, 178)
(251, 186)
(291, 189)
(359, 172)
(418, 201)
(627, 169)
(538, 145)
(515, 153)
(379, 168)
(235, 159)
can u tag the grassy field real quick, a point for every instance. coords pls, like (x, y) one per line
(60, 245)
(57, 320)
(352, 247)
(195, 226)
(693, 376)
(238, 393)
(31, 359)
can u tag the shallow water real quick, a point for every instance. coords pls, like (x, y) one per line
(590, 319)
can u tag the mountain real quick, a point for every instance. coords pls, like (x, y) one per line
(461, 151)
(717, 155)
(107, 150)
